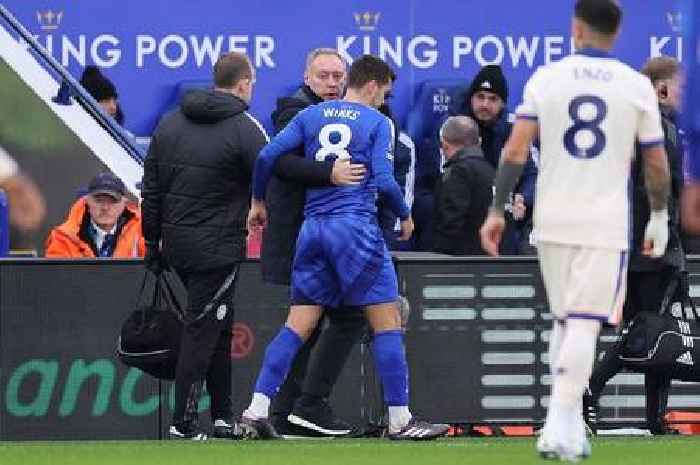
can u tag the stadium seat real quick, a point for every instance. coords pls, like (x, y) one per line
(433, 98)
(184, 86)
(4, 225)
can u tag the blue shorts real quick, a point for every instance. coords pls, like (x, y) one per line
(342, 260)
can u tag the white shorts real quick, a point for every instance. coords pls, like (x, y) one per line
(584, 282)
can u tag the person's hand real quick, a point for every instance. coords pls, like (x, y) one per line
(154, 260)
(492, 231)
(27, 206)
(257, 217)
(347, 174)
(656, 234)
(407, 228)
(519, 207)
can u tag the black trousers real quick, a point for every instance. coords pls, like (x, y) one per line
(645, 291)
(320, 361)
(205, 350)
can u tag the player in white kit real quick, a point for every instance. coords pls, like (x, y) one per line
(589, 111)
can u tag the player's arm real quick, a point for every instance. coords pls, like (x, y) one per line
(287, 140)
(511, 165)
(384, 177)
(384, 171)
(657, 180)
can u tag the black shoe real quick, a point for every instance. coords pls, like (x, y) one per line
(187, 431)
(320, 419)
(419, 430)
(590, 412)
(291, 431)
(260, 428)
(227, 430)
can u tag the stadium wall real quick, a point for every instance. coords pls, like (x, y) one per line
(476, 345)
(147, 48)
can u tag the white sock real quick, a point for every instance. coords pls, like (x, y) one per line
(259, 406)
(574, 363)
(555, 339)
(399, 416)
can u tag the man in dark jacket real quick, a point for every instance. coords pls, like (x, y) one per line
(648, 278)
(485, 101)
(308, 386)
(196, 191)
(465, 191)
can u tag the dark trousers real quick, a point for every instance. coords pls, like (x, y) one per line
(645, 291)
(205, 350)
(320, 361)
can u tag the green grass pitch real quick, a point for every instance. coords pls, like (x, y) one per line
(478, 451)
(481, 451)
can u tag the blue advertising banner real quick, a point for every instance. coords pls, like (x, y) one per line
(146, 48)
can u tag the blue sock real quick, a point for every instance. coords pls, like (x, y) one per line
(278, 358)
(390, 362)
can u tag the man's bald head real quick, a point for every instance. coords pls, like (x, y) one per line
(459, 132)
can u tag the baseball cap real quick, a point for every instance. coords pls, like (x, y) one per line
(107, 183)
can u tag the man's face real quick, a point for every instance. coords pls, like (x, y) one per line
(674, 92)
(247, 86)
(109, 105)
(486, 106)
(382, 92)
(105, 209)
(326, 76)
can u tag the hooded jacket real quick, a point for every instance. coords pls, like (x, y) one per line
(197, 177)
(72, 240)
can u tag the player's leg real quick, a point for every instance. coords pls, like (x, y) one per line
(594, 294)
(610, 364)
(280, 353)
(311, 411)
(554, 260)
(291, 389)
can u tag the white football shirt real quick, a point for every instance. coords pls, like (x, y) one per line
(591, 109)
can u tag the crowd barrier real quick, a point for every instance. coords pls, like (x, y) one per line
(476, 346)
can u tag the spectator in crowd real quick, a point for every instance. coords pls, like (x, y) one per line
(485, 101)
(102, 223)
(306, 390)
(27, 206)
(103, 91)
(196, 191)
(465, 192)
(648, 278)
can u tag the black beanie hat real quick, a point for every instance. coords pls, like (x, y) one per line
(490, 78)
(97, 84)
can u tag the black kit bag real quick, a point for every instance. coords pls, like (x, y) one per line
(661, 343)
(150, 336)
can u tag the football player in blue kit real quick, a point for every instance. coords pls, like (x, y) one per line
(341, 257)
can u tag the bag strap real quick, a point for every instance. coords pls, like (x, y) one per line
(680, 278)
(170, 298)
(142, 303)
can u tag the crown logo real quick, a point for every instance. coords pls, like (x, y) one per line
(366, 20)
(49, 20)
(675, 20)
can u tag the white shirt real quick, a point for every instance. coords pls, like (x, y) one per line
(100, 234)
(8, 167)
(591, 109)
